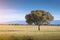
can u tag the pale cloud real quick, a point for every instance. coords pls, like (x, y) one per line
(7, 15)
(56, 17)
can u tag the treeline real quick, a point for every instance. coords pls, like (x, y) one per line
(34, 25)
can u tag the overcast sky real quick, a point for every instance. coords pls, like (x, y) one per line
(14, 10)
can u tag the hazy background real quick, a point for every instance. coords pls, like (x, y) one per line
(14, 11)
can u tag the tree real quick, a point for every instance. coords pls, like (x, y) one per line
(38, 17)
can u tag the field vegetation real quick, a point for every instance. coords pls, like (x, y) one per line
(29, 32)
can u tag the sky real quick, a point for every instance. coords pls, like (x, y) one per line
(15, 10)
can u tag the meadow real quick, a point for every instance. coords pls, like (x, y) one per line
(29, 32)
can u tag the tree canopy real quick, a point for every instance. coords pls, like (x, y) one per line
(39, 17)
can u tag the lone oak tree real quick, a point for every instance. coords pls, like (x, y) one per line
(38, 17)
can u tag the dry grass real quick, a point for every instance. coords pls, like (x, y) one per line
(30, 35)
(29, 32)
(29, 28)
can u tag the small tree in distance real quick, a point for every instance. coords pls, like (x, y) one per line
(38, 17)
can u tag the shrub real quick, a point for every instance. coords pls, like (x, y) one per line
(13, 37)
(27, 38)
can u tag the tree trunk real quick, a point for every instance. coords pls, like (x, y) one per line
(38, 27)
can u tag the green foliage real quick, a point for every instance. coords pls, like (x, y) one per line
(38, 17)
(13, 37)
(33, 36)
(27, 38)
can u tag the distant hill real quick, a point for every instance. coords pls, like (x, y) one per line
(16, 22)
(55, 22)
(23, 22)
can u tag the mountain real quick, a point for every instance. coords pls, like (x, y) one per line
(16, 22)
(23, 22)
(55, 22)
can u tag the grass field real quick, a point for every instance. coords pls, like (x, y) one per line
(29, 28)
(29, 32)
